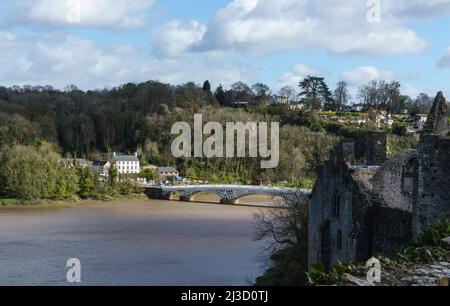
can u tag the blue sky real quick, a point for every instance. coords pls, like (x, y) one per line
(274, 42)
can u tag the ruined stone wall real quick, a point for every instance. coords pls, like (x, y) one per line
(392, 179)
(370, 147)
(331, 222)
(391, 229)
(376, 148)
(432, 194)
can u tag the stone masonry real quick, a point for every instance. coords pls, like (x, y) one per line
(363, 205)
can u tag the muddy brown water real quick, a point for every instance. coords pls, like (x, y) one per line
(133, 242)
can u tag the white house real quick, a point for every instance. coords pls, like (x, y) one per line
(127, 164)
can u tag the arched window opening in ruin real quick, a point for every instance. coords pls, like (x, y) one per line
(336, 204)
(408, 176)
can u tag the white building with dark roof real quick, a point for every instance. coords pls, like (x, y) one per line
(101, 167)
(126, 164)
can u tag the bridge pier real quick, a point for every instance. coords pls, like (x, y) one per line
(186, 198)
(229, 202)
(157, 194)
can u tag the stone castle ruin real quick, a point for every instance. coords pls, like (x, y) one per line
(364, 204)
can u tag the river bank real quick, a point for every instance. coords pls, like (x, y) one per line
(10, 202)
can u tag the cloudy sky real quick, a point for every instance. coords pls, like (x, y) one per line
(103, 43)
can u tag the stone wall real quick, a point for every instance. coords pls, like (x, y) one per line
(391, 230)
(432, 194)
(393, 180)
(330, 214)
(370, 147)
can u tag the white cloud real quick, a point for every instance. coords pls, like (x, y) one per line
(102, 13)
(410, 90)
(261, 26)
(298, 73)
(444, 62)
(364, 74)
(61, 60)
(173, 38)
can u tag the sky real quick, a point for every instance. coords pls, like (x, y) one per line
(97, 44)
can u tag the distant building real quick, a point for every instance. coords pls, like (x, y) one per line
(101, 167)
(296, 105)
(70, 162)
(167, 173)
(281, 99)
(420, 120)
(384, 119)
(126, 164)
(357, 107)
(240, 104)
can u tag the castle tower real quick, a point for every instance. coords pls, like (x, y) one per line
(432, 188)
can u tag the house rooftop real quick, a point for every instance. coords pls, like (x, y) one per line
(99, 163)
(131, 158)
(166, 170)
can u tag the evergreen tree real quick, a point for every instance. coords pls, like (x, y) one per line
(207, 86)
(220, 95)
(315, 93)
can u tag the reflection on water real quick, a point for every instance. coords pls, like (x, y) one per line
(138, 242)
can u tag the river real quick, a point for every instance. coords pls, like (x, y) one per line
(132, 242)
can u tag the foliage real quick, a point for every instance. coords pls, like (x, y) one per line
(428, 248)
(399, 128)
(317, 275)
(422, 255)
(433, 235)
(287, 228)
(396, 144)
(35, 173)
(315, 93)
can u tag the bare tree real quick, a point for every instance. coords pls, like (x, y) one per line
(341, 96)
(285, 224)
(289, 92)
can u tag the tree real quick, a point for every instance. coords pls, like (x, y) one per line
(341, 96)
(207, 86)
(112, 176)
(261, 93)
(286, 229)
(288, 92)
(382, 95)
(315, 92)
(220, 95)
(423, 103)
(241, 92)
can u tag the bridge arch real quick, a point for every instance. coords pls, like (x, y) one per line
(229, 194)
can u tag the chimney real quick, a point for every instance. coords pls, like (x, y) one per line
(135, 154)
(114, 154)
